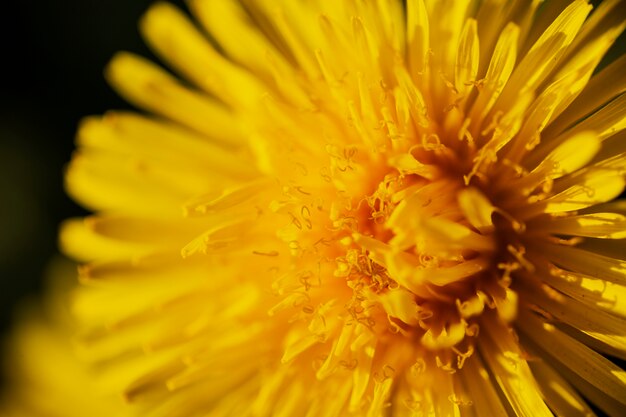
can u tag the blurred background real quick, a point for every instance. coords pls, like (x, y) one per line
(53, 54)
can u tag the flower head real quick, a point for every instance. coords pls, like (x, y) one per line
(359, 209)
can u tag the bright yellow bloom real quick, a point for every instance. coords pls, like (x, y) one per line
(43, 376)
(357, 208)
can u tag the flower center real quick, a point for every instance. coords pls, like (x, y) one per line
(416, 262)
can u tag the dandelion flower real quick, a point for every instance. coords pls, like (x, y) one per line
(43, 377)
(359, 208)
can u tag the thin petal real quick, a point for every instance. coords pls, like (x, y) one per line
(504, 357)
(149, 87)
(174, 37)
(588, 364)
(559, 394)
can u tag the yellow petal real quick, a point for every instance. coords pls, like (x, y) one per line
(480, 387)
(559, 394)
(417, 36)
(546, 53)
(466, 68)
(594, 188)
(142, 137)
(400, 304)
(588, 364)
(607, 328)
(382, 390)
(81, 243)
(502, 354)
(571, 155)
(222, 18)
(477, 209)
(599, 225)
(606, 122)
(149, 87)
(102, 182)
(602, 88)
(448, 337)
(444, 237)
(500, 68)
(586, 262)
(174, 37)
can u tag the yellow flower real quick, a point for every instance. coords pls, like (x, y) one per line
(359, 208)
(43, 375)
